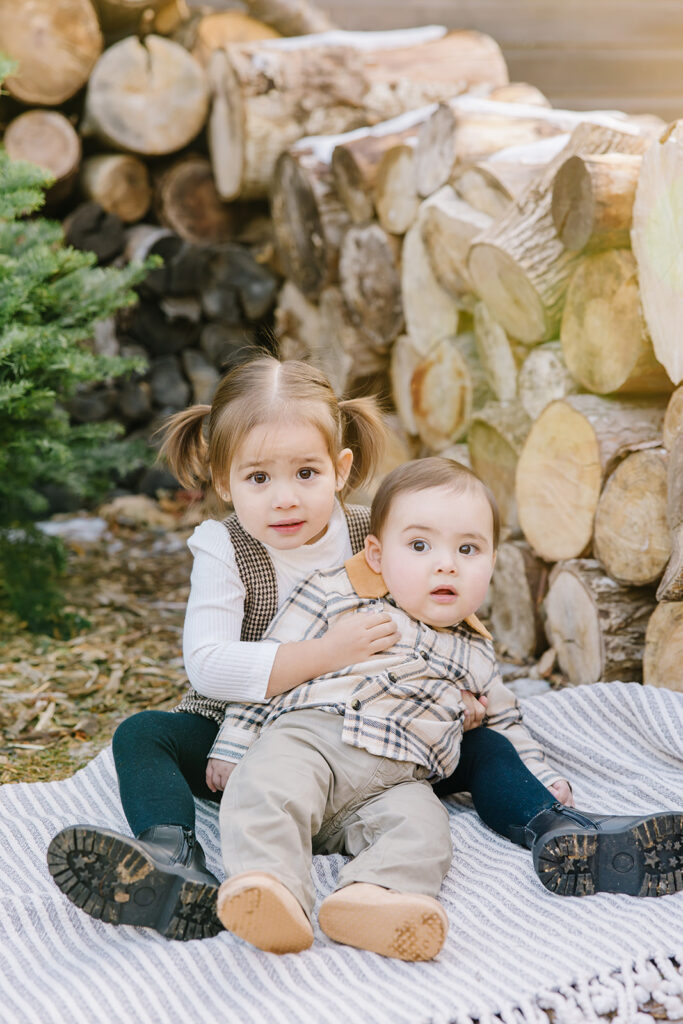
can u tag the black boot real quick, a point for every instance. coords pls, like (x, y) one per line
(158, 880)
(577, 854)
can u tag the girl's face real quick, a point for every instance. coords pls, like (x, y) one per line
(283, 483)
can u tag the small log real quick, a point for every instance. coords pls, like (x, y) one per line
(519, 584)
(396, 199)
(449, 226)
(220, 29)
(186, 201)
(48, 139)
(631, 537)
(592, 203)
(663, 657)
(371, 285)
(226, 346)
(55, 44)
(447, 386)
(160, 335)
(147, 97)
(405, 359)
(604, 338)
(119, 183)
(120, 18)
(596, 626)
(657, 237)
(544, 377)
(431, 313)
(671, 586)
(673, 419)
(569, 450)
(91, 228)
(235, 286)
(291, 17)
(495, 439)
(496, 354)
(519, 267)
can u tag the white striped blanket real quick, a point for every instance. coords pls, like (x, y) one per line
(514, 950)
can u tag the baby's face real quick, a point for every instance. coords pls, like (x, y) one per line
(436, 553)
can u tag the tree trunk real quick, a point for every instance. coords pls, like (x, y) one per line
(519, 267)
(223, 28)
(447, 386)
(290, 17)
(657, 238)
(543, 377)
(186, 201)
(604, 338)
(448, 227)
(592, 203)
(496, 436)
(631, 536)
(279, 91)
(663, 657)
(119, 183)
(55, 44)
(596, 626)
(371, 285)
(570, 448)
(673, 419)
(48, 139)
(396, 199)
(519, 585)
(671, 586)
(431, 313)
(147, 97)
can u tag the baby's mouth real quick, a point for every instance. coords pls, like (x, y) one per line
(443, 593)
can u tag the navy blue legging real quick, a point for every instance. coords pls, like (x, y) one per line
(161, 757)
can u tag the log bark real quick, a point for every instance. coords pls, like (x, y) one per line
(48, 139)
(449, 226)
(496, 354)
(220, 29)
(519, 267)
(592, 202)
(657, 237)
(631, 537)
(596, 625)
(604, 337)
(495, 439)
(663, 657)
(671, 586)
(186, 200)
(447, 386)
(569, 450)
(544, 377)
(519, 584)
(55, 44)
(431, 313)
(291, 17)
(673, 419)
(371, 284)
(119, 183)
(147, 97)
(396, 200)
(282, 90)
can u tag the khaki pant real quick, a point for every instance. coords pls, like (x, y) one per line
(300, 790)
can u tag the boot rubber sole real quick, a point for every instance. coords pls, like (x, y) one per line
(403, 926)
(261, 910)
(644, 859)
(114, 879)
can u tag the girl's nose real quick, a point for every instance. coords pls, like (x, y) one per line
(285, 498)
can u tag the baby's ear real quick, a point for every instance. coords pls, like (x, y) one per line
(373, 553)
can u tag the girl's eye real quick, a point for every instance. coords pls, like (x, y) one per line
(259, 478)
(467, 549)
(306, 473)
(419, 545)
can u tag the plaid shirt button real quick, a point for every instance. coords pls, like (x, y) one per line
(424, 655)
(392, 677)
(355, 704)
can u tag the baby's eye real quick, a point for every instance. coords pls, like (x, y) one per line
(306, 473)
(468, 549)
(258, 477)
(419, 545)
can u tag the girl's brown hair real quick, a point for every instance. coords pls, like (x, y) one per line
(199, 451)
(421, 475)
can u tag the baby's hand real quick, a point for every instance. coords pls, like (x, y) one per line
(475, 710)
(562, 790)
(217, 773)
(356, 637)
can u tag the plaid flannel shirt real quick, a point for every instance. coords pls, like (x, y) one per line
(404, 703)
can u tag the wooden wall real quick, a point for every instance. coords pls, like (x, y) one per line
(583, 54)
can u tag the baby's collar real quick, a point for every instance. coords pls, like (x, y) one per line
(368, 583)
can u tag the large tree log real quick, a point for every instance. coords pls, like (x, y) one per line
(543, 377)
(291, 17)
(596, 626)
(447, 386)
(495, 440)
(119, 183)
(448, 227)
(371, 285)
(592, 203)
(148, 97)
(657, 237)
(631, 536)
(186, 201)
(604, 338)
(518, 587)
(570, 448)
(519, 266)
(55, 44)
(431, 313)
(496, 354)
(282, 90)
(48, 139)
(663, 657)
(673, 419)
(671, 586)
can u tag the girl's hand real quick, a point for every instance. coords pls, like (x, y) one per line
(356, 637)
(475, 710)
(563, 791)
(217, 773)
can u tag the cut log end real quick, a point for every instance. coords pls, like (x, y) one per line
(509, 294)
(663, 657)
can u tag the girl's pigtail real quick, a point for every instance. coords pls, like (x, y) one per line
(365, 433)
(184, 446)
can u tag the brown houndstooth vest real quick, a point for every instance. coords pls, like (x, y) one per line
(260, 600)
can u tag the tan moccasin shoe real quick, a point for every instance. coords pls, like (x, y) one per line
(403, 925)
(262, 911)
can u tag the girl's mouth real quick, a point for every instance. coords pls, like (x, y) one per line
(288, 526)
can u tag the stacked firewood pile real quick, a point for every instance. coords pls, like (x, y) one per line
(504, 274)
